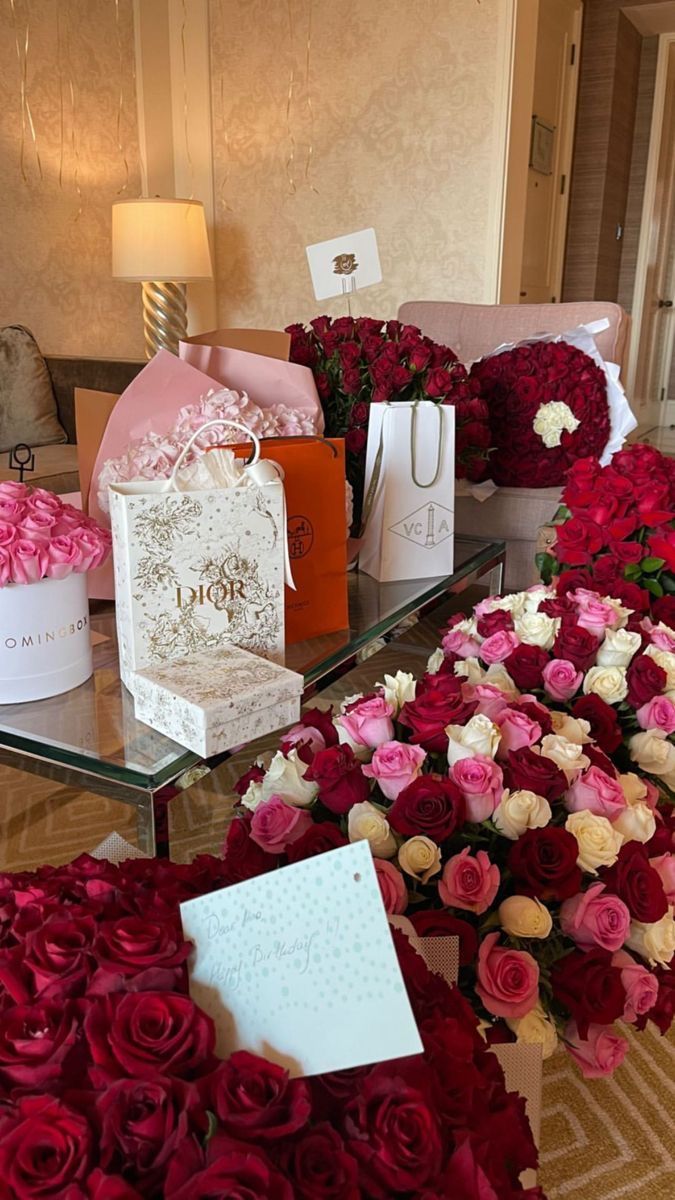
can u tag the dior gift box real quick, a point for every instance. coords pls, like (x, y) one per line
(214, 701)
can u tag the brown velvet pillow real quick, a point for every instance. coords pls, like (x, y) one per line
(27, 405)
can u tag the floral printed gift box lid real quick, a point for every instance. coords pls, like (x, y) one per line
(215, 700)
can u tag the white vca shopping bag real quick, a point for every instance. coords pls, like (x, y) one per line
(409, 499)
(197, 570)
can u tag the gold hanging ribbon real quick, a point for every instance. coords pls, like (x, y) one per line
(59, 58)
(73, 135)
(120, 103)
(222, 190)
(310, 106)
(26, 114)
(185, 103)
(289, 103)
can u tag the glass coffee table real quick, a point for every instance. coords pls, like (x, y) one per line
(89, 739)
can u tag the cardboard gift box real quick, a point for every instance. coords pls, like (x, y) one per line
(214, 701)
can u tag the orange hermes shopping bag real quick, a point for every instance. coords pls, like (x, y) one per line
(314, 471)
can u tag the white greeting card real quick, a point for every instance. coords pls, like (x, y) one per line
(299, 965)
(344, 264)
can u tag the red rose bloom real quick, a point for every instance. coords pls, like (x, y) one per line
(393, 1134)
(146, 1034)
(338, 773)
(150, 952)
(525, 665)
(355, 441)
(645, 679)
(58, 956)
(637, 883)
(45, 1149)
(534, 773)
(544, 863)
(142, 1122)
(317, 840)
(569, 581)
(431, 805)
(578, 540)
(100, 1186)
(663, 609)
(226, 1170)
(36, 1043)
(438, 702)
(603, 720)
(254, 775)
(441, 923)
(242, 857)
(576, 644)
(663, 1012)
(320, 1167)
(255, 1100)
(492, 622)
(587, 984)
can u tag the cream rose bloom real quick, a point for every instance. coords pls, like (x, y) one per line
(575, 729)
(618, 648)
(398, 689)
(598, 841)
(535, 1030)
(366, 823)
(655, 942)
(634, 788)
(654, 755)
(253, 796)
(550, 421)
(609, 683)
(479, 736)
(498, 677)
(467, 626)
(525, 917)
(521, 810)
(569, 756)
(514, 603)
(636, 823)
(285, 778)
(420, 857)
(470, 669)
(536, 629)
(435, 661)
(622, 614)
(535, 595)
(666, 660)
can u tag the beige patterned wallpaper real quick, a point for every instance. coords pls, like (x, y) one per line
(54, 243)
(398, 128)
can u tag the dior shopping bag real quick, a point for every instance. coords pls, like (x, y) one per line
(409, 505)
(200, 569)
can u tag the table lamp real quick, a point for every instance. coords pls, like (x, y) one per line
(162, 244)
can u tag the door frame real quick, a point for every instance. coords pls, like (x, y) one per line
(666, 40)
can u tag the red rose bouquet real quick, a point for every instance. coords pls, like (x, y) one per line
(548, 406)
(110, 1089)
(616, 531)
(518, 796)
(361, 361)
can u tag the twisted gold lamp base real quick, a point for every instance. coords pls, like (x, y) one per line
(164, 316)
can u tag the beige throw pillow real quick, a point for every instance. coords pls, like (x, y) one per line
(27, 404)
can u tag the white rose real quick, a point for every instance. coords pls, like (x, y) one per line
(514, 603)
(535, 1029)
(285, 778)
(569, 756)
(253, 796)
(535, 595)
(634, 788)
(363, 753)
(479, 736)
(366, 823)
(435, 661)
(636, 823)
(470, 669)
(551, 419)
(574, 729)
(525, 917)
(618, 648)
(536, 629)
(467, 626)
(609, 683)
(598, 841)
(656, 941)
(498, 677)
(654, 755)
(420, 857)
(666, 660)
(521, 810)
(344, 704)
(399, 688)
(622, 614)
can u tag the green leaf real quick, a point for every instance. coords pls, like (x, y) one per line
(667, 582)
(211, 1127)
(562, 514)
(651, 565)
(653, 586)
(545, 564)
(632, 571)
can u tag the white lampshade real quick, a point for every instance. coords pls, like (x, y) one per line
(160, 240)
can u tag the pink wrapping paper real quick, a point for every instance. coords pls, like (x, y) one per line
(267, 381)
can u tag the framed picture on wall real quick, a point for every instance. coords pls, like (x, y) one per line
(541, 148)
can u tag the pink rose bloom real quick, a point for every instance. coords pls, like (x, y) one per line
(481, 782)
(5, 566)
(276, 824)
(37, 527)
(70, 518)
(508, 980)
(641, 987)
(29, 561)
(595, 918)
(63, 557)
(459, 643)
(663, 639)
(652, 796)
(11, 511)
(469, 881)
(561, 679)
(8, 533)
(42, 501)
(593, 615)
(664, 865)
(596, 792)
(490, 700)
(392, 886)
(597, 1055)
(484, 607)
(499, 645)
(517, 730)
(92, 546)
(12, 490)
(369, 723)
(308, 734)
(394, 765)
(657, 713)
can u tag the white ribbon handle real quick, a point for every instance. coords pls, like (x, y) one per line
(250, 436)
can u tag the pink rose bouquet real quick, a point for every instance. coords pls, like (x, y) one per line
(43, 538)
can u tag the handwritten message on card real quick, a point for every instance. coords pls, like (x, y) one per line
(299, 965)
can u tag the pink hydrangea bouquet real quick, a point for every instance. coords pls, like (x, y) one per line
(43, 538)
(517, 796)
